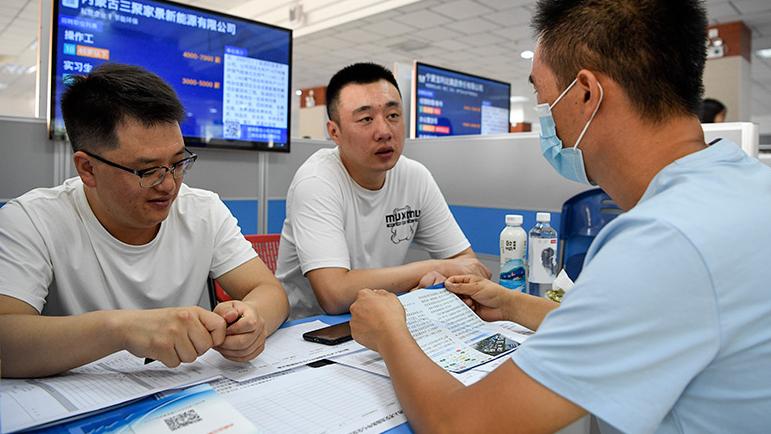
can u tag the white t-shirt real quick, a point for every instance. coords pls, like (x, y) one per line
(333, 222)
(57, 257)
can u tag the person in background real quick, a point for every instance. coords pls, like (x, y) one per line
(712, 111)
(353, 211)
(118, 257)
(668, 328)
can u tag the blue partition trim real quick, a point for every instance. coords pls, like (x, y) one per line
(246, 212)
(482, 226)
(276, 215)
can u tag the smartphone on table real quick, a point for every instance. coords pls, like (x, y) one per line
(331, 335)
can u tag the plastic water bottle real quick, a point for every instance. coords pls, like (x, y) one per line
(513, 249)
(542, 255)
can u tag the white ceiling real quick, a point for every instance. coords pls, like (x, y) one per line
(483, 37)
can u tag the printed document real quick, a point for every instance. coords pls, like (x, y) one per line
(115, 379)
(195, 410)
(449, 332)
(122, 377)
(371, 362)
(327, 399)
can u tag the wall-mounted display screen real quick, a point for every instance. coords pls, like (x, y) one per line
(232, 75)
(452, 103)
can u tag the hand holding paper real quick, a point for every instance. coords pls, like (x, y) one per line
(488, 299)
(376, 314)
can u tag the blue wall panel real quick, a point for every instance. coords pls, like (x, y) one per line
(276, 215)
(246, 212)
(482, 226)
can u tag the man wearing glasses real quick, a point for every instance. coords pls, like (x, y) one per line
(100, 263)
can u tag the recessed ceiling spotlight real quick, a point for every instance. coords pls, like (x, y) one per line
(527, 54)
(764, 53)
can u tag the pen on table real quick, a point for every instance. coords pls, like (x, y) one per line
(149, 360)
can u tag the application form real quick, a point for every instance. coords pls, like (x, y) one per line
(449, 332)
(122, 377)
(327, 399)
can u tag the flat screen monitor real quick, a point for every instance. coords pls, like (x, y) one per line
(452, 103)
(231, 74)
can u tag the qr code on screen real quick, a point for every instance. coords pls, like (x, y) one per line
(232, 130)
(182, 420)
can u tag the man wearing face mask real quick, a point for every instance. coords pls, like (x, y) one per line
(568, 162)
(668, 328)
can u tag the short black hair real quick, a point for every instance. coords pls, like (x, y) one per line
(710, 108)
(654, 49)
(358, 73)
(94, 105)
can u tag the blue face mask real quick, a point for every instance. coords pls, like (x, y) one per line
(568, 162)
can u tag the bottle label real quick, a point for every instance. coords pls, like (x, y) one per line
(511, 250)
(513, 274)
(543, 260)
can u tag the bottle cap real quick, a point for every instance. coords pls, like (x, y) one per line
(513, 220)
(543, 217)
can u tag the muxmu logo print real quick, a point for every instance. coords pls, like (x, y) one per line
(402, 223)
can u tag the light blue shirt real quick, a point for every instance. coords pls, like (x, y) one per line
(668, 328)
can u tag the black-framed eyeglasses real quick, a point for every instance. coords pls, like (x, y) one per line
(153, 176)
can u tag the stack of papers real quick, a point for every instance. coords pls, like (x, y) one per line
(327, 399)
(122, 377)
(275, 392)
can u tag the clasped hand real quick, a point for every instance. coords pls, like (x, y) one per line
(245, 334)
(176, 335)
